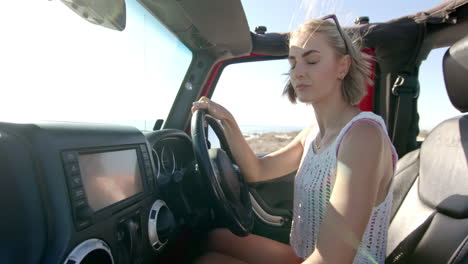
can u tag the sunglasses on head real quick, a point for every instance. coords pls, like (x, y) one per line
(340, 30)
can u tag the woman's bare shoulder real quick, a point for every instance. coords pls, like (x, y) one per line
(367, 139)
(311, 131)
(363, 133)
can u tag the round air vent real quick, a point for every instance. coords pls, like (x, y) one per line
(91, 251)
(161, 223)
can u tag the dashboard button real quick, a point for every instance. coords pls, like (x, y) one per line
(153, 214)
(143, 148)
(148, 168)
(83, 213)
(150, 181)
(79, 203)
(75, 181)
(73, 169)
(70, 157)
(82, 224)
(77, 193)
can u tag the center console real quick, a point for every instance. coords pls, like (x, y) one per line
(103, 180)
(91, 193)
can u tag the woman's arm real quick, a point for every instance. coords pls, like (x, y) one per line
(363, 158)
(271, 166)
(254, 169)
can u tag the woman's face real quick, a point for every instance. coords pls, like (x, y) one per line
(315, 69)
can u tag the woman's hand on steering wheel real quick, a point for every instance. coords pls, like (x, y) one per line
(228, 188)
(214, 109)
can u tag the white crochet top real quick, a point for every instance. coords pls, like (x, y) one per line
(312, 189)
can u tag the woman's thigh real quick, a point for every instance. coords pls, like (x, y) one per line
(252, 249)
(214, 258)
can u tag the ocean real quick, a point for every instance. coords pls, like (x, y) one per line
(260, 129)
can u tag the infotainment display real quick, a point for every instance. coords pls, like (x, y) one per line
(109, 177)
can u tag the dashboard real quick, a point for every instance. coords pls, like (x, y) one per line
(92, 193)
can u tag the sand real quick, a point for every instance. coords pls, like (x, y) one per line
(264, 143)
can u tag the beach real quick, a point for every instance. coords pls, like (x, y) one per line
(264, 143)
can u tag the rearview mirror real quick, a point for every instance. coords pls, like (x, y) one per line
(107, 13)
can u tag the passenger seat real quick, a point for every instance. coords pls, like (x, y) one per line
(430, 214)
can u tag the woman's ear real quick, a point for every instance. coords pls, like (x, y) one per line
(344, 65)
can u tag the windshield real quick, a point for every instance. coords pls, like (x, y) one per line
(57, 66)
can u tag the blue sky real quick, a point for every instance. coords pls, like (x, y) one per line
(71, 59)
(277, 14)
(281, 15)
(66, 69)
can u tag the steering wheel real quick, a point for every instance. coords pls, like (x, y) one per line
(227, 186)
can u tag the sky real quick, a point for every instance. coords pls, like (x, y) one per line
(56, 66)
(280, 16)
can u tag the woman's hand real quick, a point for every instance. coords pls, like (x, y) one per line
(215, 110)
(254, 169)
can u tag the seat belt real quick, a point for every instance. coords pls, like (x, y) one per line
(406, 89)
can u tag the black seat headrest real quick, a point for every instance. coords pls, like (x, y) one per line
(455, 65)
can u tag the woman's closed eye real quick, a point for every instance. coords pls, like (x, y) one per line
(312, 58)
(292, 63)
(309, 63)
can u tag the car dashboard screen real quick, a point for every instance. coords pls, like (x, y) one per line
(110, 177)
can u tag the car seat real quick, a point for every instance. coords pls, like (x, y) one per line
(429, 221)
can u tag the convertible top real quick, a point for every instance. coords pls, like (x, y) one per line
(223, 33)
(407, 40)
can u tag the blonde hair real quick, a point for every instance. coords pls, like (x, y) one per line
(358, 76)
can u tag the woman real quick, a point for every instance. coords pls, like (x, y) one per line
(343, 186)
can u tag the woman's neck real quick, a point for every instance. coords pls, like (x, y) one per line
(333, 114)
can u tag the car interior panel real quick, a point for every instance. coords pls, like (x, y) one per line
(77, 192)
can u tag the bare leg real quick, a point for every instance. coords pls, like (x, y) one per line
(214, 257)
(251, 249)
